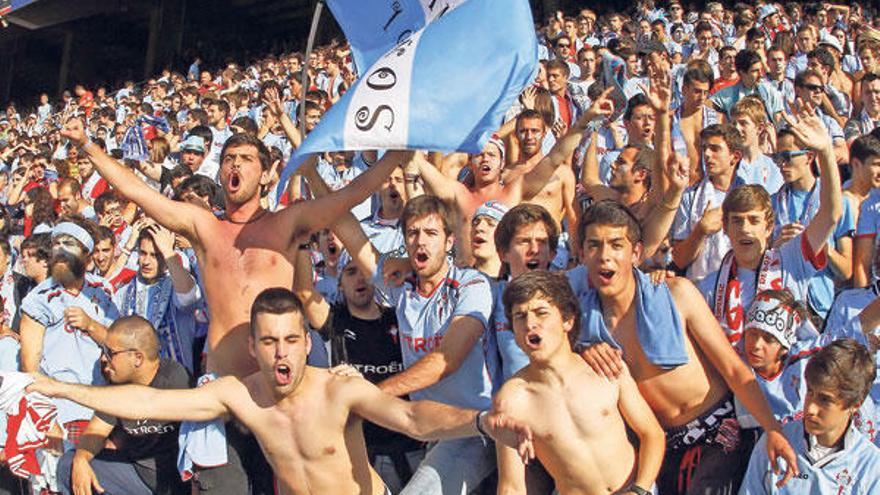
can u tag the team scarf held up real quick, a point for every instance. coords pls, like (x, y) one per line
(444, 87)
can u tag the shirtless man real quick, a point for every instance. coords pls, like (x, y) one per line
(534, 179)
(684, 366)
(558, 192)
(250, 248)
(307, 420)
(582, 444)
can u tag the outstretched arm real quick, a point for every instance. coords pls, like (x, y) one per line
(304, 218)
(808, 128)
(428, 420)
(178, 216)
(137, 401)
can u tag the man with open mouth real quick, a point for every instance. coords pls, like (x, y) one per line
(247, 250)
(679, 357)
(442, 313)
(583, 444)
(307, 420)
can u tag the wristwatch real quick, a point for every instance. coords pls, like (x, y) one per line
(634, 488)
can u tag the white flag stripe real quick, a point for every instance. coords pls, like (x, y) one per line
(436, 8)
(380, 105)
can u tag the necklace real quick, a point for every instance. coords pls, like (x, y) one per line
(252, 219)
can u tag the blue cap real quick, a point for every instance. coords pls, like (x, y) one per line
(193, 143)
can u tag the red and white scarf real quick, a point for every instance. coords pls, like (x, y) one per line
(728, 307)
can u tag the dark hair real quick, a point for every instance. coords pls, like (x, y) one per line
(529, 114)
(243, 139)
(610, 212)
(221, 104)
(699, 73)
(199, 184)
(801, 78)
(554, 288)
(274, 301)
(638, 100)
(746, 198)
(560, 65)
(247, 125)
(198, 115)
(44, 206)
(40, 243)
(745, 59)
(204, 132)
(732, 138)
(525, 214)
(865, 147)
(4, 244)
(824, 56)
(106, 197)
(426, 205)
(103, 233)
(844, 366)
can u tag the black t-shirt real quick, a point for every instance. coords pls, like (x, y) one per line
(152, 445)
(372, 347)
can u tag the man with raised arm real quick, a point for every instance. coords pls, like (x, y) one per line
(247, 250)
(307, 420)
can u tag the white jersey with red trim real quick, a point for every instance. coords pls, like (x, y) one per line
(69, 354)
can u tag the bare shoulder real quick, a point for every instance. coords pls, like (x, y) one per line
(683, 292)
(515, 394)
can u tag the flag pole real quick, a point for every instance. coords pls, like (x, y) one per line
(319, 7)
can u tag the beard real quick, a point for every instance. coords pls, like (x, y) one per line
(66, 268)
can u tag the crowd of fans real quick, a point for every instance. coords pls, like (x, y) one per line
(671, 284)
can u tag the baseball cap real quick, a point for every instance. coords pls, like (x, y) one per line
(193, 143)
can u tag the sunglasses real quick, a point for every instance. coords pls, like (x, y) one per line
(812, 87)
(787, 156)
(110, 354)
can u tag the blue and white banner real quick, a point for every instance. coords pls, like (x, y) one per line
(372, 27)
(446, 87)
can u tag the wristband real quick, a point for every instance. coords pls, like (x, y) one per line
(480, 427)
(634, 488)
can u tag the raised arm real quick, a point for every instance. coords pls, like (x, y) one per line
(178, 216)
(134, 402)
(306, 217)
(272, 101)
(656, 224)
(538, 177)
(436, 182)
(316, 307)
(707, 334)
(346, 227)
(808, 128)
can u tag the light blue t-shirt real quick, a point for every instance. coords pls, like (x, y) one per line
(801, 206)
(423, 320)
(69, 354)
(762, 172)
(799, 265)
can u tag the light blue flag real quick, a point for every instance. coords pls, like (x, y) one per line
(372, 27)
(445, 88)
